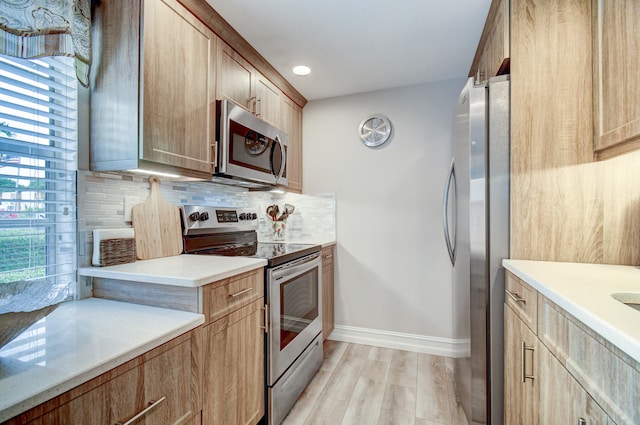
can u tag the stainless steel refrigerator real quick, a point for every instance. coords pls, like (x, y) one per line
(476, 226)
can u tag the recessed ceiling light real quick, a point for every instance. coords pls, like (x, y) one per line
(301, 70)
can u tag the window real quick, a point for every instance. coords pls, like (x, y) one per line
(38, 141)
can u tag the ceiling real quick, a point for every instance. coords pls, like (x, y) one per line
(356, 46)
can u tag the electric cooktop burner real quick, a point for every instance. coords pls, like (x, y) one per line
(233, 232)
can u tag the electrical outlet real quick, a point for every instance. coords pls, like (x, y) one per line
(129, 202)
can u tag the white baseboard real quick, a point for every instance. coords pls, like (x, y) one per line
(402, 341)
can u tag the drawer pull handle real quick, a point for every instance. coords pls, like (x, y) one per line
(152, 405)
(522, 363)
(237, 294)
(517, 298)
(582, 421)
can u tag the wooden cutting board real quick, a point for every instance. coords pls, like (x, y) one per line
(157, 226)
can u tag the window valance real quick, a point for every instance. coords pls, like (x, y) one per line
(36, 28)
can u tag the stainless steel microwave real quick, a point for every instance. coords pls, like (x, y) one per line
(250, 151)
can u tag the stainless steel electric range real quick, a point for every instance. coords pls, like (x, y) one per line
(293, 280)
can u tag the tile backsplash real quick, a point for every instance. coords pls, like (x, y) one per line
(101, 199)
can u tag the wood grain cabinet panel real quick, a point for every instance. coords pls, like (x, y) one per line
(292, 126)
(240, 82)
(227, 295)
(328, 271)
(153, 89)
(562, 399)
(616, 80)
(268, 100)
(560, 375)
(233, 380)
(171, 371)
(522, 299)
(492, 55)
(234, 77)
(520, 368)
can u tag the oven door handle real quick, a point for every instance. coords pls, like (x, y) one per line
(296, 268)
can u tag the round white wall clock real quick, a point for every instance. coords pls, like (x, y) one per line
(375, 130)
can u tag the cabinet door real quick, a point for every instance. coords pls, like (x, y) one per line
(520, 364)
(268, 101)
(234, 368)
(171, 371)
(616, 88)
(492, 56)
(173, 375)
(179, 87)
(328, 320)
(235, 77)
(292, 126)
(562, 399)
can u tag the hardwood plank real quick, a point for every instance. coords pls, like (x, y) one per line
(366, 403)
(397, 398)
(333, 352)
(347, 372)
(396, 417)
(329, 411)
(375, 371)
(381, 354)
(356, 386)
(432, 399)
(404, 366)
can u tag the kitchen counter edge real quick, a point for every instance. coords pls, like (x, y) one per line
(180, 270)
(83, 347)
(584, 291)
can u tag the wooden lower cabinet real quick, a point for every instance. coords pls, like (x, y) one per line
(233, 381)
(562, 399)
(170, 371)
(538, 389)
(521, 396)
(328, 318)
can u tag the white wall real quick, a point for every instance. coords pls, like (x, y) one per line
(392, 273)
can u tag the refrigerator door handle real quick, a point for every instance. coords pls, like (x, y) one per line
(445, 213)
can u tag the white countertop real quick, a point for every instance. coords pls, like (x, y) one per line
(584, 291)
(77, 342)
(180, 270)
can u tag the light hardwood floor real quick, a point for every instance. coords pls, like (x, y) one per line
(359, 384)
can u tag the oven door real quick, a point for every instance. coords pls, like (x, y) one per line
(249, 147)
(293, 291)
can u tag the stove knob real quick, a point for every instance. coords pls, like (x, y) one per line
(254, 216)
(243, 216)
(195, 216)
(204, 216)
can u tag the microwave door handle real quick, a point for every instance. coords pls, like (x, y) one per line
(284, 158)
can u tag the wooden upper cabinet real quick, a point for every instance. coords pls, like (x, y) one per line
(492, 55)
(616, 79)
(179, 87)
(153, 89)
(268, 99)
(292, 126)
(235, 77)
(240, 82)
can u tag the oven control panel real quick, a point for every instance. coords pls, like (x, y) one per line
(209, 219)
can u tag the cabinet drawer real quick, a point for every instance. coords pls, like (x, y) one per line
(227, 295)
(327, 255)
(523, 300)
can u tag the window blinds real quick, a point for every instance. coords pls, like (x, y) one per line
(38, 140)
